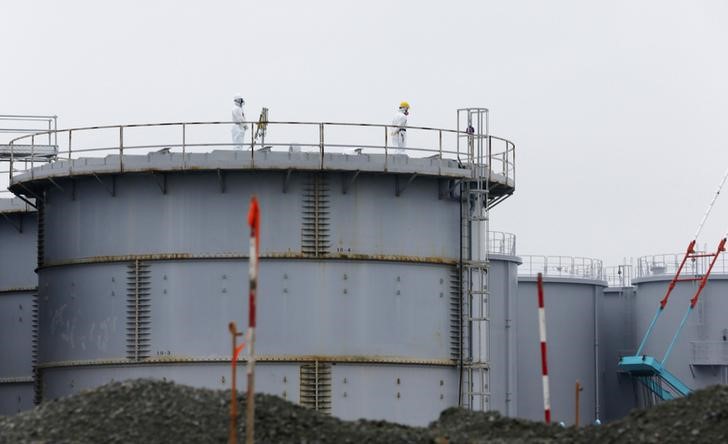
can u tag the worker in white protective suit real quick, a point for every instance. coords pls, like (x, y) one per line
(399, 132)
(239, 125)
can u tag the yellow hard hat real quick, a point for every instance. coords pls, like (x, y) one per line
(404, 105)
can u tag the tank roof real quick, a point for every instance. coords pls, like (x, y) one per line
(166, 161)
(288, 146)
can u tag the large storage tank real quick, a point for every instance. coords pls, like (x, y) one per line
(18, 286)
(700, 355)
(143, 262)
(573, 289)
(503, 284)
(617, 338)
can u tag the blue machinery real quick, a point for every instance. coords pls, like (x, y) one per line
(647, 369)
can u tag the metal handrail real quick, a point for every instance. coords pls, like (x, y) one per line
(501, 161)
(667, 265)
(618, 275)
(500, 242)
(561, 266)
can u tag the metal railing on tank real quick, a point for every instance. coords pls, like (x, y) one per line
(501, 243)
(312, 137)
(561, 266)
(618, 275)
(667, 264)
(15, 125)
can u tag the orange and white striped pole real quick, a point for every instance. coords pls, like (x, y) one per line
(544, 363)
(254, 222)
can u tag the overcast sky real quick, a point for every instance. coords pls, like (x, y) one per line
(619, 109)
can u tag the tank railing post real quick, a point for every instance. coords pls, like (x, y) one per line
(12, 158)
(184, 145)
(121, 148)
(440, 143)
(321, 143)
(55, 133)
(386, 142)
(32, 156)
(69, 144)
(252, 144)
(489, 147)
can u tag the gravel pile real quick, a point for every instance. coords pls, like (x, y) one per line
(154, 411)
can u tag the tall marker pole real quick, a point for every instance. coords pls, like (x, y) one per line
(233, 436)
(544, 365)
(254, 222)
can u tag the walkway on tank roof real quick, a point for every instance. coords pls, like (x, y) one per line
(243, 160)
(284, 146)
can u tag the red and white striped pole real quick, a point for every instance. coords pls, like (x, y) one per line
(544, 365)
(254, 222)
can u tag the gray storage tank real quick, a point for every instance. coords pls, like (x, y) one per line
(143, 262)
(700, 355)
(617, 338)
(503, 290)
(18, 286)
(573, 289)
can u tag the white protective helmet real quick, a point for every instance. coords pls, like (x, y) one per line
(238, 99)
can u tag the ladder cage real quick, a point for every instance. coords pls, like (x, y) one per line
(473, 133)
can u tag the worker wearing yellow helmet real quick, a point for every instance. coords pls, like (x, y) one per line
(399, 132)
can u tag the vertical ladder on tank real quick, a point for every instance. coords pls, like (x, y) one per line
(474, 264)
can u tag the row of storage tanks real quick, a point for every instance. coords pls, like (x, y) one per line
(355, 317)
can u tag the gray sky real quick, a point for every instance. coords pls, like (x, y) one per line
(619, 109)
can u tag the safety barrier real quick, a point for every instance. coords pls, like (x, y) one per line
(501, 243)
(618, 275)
(561, 266)
(667, 264)
(320, 137)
